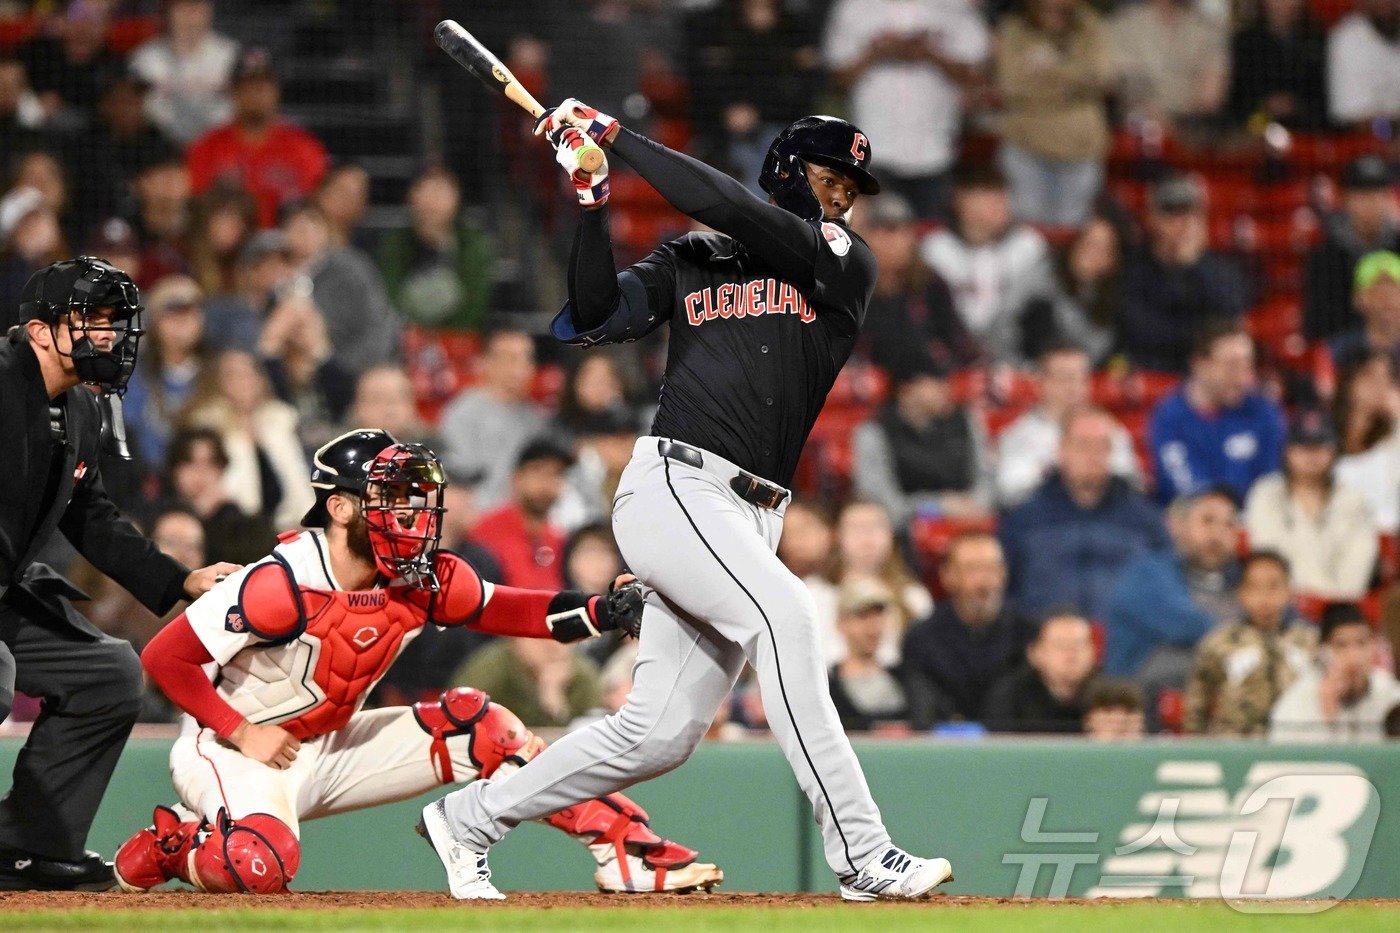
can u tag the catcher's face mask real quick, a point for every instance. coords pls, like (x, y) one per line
(402, 506)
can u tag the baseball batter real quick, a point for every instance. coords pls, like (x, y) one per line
(272, 667)
(763, 315)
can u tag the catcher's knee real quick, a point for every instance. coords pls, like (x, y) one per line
(254, 854)
(491, 734)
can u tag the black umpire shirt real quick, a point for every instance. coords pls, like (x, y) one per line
(52, 482)
(763, 314)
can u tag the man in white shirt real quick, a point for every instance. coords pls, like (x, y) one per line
(905, 64)
(188, 70)
(1347, 698)
(1363, 63)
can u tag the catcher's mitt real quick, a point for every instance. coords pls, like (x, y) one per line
(624, 607)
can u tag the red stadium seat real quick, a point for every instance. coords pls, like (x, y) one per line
(440, 364)
(127, 33)
(999, 418)
(16, 32)
(931, 537)
(1171, 710)
(1389, 559)
(1329, 11)
(1100, 636)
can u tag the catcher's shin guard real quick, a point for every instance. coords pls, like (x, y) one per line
(254, 854)
(631, 858)
(158, 853)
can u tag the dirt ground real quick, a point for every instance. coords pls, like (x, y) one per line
(332, 900)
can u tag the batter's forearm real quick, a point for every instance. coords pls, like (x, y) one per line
(593, 289)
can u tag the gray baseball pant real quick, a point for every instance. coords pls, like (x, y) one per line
(721, 598)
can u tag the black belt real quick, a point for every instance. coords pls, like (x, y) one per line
(746, 486)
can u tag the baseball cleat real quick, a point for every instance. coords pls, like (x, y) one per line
(634, 874)
(468, 875)
(895, 874)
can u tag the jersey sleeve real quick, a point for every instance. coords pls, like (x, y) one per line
(647, 290)
(217, 620)
(844, 272)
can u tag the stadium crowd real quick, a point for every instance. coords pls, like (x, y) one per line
(1119, 450)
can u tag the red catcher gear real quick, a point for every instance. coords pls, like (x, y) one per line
(617, 820)
(255, 854)
(497, 734)
(158, 853)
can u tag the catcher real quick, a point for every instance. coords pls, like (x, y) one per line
(273, 665)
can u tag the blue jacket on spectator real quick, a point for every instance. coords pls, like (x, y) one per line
(1150, 606)
(1232, 447)
(1061, 554)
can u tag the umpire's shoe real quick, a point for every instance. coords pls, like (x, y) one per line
(468, 875)
(895, 874)
(22, 871)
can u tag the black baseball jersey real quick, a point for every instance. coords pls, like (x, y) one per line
(761, 322)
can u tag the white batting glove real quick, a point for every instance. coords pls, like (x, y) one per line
(599, 127)
(592, 189)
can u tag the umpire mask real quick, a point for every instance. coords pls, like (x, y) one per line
(76, 292)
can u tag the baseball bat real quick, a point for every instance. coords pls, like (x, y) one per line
(487, 68)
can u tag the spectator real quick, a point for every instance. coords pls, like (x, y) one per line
(999, 272)
(1029, 447)
(223, 220)
(1165, 601)
(1172, 62)
(519, 535)
(343, 199)
(302, 366)
(1344, 697)
(275, 160)
(866, 693)
(267, 470)
(906, 66)
(21, 115)
(486, 426)
(162, 189)
(1242, 667)
(1278, 68)
(922, 452)
(1113, 711)
(30, 239)
(973, 638)
(438, 268)
(808, 544)
(602, 449)
(107, 157)
(1323, 528)
(1054, 71)
(66, 68)
(168, 366)
(1377, 301)
(595, 386)
(1067, 544)
(263, 277)
(346, 287)
(1216, 428)
(912, 305)
(384, 398)
(1366, 222)
(1363, 63)
(41, 170)
(1174, 286)
(866, 550)
(196, 463)
(544, 682)
(591, 559)
(1368, 410)
(114, 240)
(188, 68)
(1089, 273)
(1047, 693)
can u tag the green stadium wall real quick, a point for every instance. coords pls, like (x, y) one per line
(1039, 817)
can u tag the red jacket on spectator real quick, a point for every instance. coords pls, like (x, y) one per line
(527, 560)
(285, 165)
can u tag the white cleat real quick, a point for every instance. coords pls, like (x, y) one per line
(468, 875)
(632, 874)
(897, 875)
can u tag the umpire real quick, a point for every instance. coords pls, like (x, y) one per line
(81, 327)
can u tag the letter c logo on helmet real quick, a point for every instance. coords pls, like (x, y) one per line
(860, 147)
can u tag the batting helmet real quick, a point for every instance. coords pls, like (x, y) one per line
(820, 140)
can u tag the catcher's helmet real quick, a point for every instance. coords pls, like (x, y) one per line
(400, 488)
(78, 287)
(822, 141)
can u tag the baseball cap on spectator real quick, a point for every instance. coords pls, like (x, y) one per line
(113, 236)
(15, 206)
(1375, 265)
(1312, 427)
(1177, 195)
(1366, 173)
(462, 476)
(263, 243)
(254, 64)
(543, 448)
(862, 595)
(892, 210)
(978, 173)
(916, 364)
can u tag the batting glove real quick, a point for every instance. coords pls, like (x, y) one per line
(592, 189)
(600, 127)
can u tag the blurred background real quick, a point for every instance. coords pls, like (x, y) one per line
(1117, 452)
